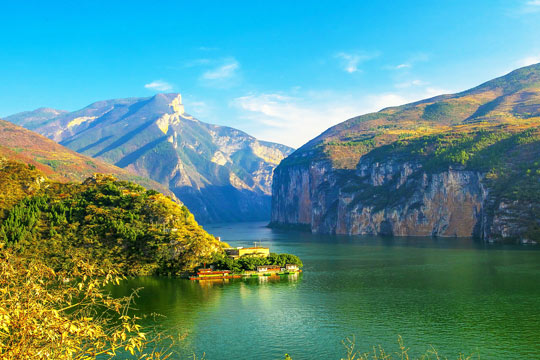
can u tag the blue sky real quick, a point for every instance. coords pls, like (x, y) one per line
(281, 70)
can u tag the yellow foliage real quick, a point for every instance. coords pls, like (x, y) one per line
(67, 315)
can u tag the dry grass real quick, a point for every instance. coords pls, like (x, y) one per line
(379, 353)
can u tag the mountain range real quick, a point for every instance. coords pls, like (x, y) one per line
(220, 173)
(464, 164)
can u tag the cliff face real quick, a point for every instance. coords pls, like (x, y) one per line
(457, 165)
(450, 203)
(397, 198)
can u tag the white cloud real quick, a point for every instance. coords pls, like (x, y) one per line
(197, 62)
(412, 83)
(350, 61)
(529, 60)
(429, 92)
(381, 101)
(410, 62)
(294, 120)
(158, 85)
(197, 108)
(527, 7)
(208, 48)
(403, 66)
(289, 120)
(222, 72)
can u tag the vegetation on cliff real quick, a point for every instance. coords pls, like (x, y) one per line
(507, 155)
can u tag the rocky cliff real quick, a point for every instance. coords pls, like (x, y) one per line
(456, 165)
(449, 203)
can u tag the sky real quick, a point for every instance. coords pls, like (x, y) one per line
(282, 71)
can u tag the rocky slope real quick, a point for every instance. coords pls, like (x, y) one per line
(220, 173)
(455, 165)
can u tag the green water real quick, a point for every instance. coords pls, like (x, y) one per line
(456, 294)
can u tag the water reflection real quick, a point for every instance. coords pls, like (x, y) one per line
(457, 294)
(253, 280)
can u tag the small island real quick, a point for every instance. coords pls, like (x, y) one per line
(241, 262)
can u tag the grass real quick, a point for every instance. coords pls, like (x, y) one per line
(402, 353)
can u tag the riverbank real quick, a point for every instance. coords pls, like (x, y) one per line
(209, 274)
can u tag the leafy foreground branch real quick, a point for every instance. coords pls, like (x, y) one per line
(67, 315)
(379, 353)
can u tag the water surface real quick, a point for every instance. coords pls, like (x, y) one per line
(456, 294)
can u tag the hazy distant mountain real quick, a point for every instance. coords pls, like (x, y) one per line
(220, 173)
(35, 118)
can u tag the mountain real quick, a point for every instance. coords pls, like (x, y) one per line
(220, 173)
(33, 119)
(58, 162)
(465, 164)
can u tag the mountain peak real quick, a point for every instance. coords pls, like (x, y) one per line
(177, 105)
(170, 103)
(174, 110)
(219, 172)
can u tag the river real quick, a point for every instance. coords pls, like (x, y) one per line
(458, 295)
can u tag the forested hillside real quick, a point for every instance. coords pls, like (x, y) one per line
(58, 162)
(125, 226)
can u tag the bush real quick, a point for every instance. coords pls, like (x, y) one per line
(250, 263)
